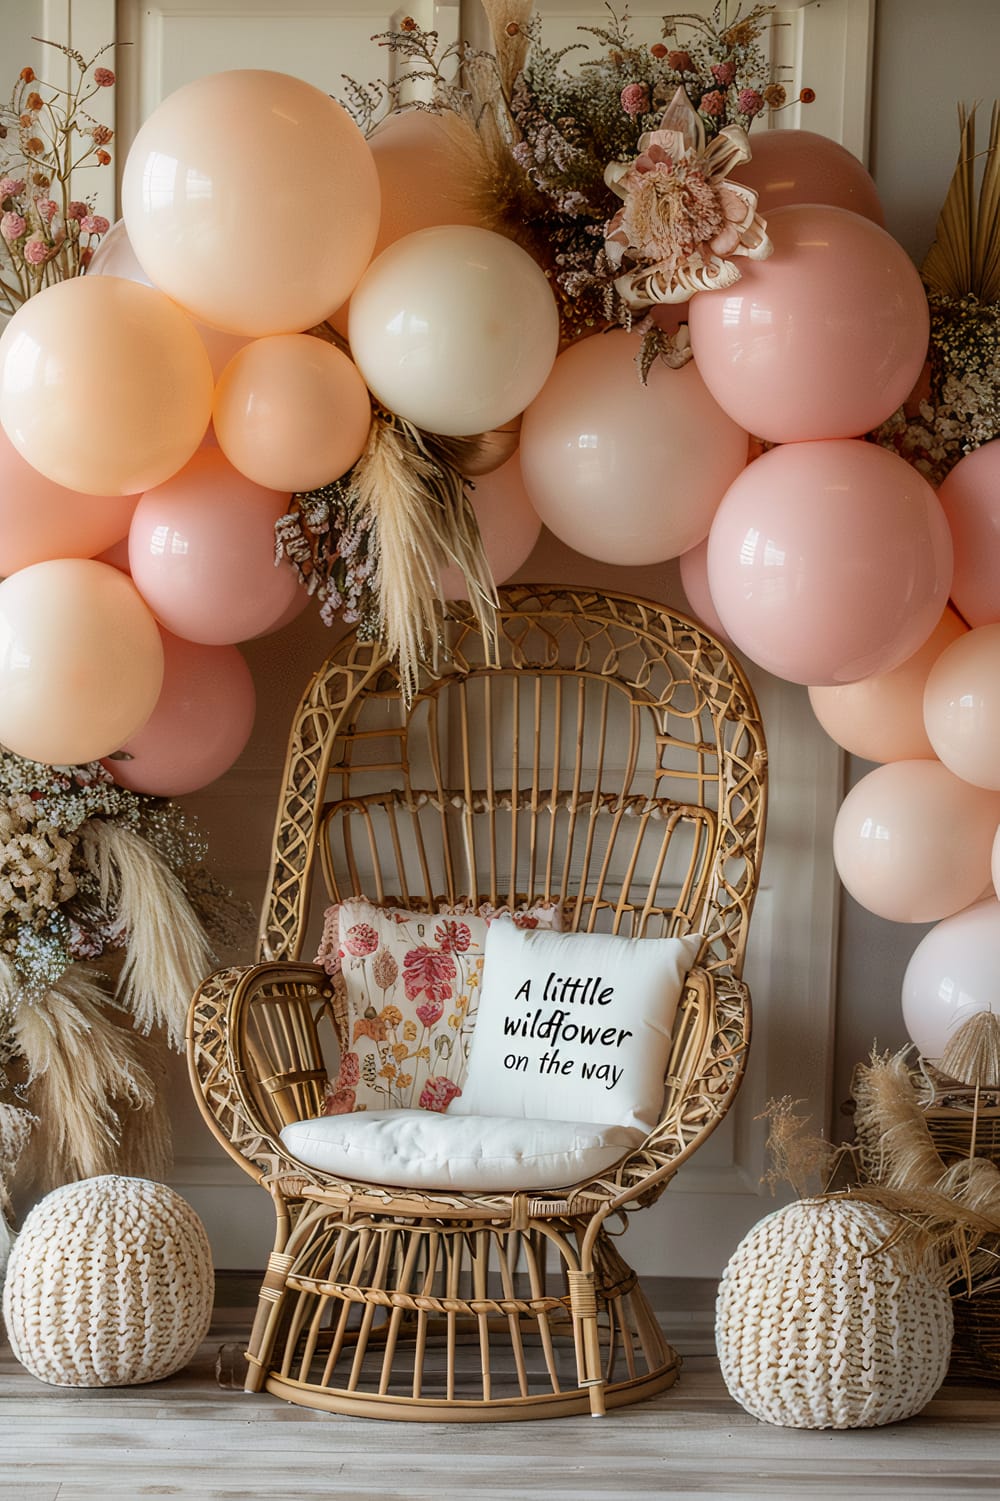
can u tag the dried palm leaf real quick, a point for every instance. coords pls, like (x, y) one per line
(965, 256)
(973, 1054)
(167, 950)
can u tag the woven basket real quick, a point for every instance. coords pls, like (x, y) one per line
(962, 1125)
(109, 1284)
(823, 1322)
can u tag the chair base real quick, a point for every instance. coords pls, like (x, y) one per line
(444, 1321)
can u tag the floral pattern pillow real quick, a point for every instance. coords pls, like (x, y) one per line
(409, 987)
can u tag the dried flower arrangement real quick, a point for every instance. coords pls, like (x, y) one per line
(615, 178)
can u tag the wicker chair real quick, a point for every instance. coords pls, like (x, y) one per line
(610, 757)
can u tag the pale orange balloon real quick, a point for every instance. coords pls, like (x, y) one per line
(105, 386)
(962, 707)
(252, 199)
(41, 520)
(291, 412)
(881, 718)
(81, 661)
(422, 174)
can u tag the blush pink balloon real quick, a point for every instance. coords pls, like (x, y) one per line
(40, 519)
(201, 551)
(881, 718)
(954, 972)
(201, 722)
(621, 471)
(962, 707)
(508, 524)
(694, 578)
(829, 562)
(422, 173)
(912, 843)
(825, 339)
(799, 166)
(81, 662)
(970, 495)
(291, 412)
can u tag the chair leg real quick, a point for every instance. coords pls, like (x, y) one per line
(583, 1307)
(265, 1322)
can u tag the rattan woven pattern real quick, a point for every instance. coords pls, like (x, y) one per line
(823, 1321)
(109, 1283)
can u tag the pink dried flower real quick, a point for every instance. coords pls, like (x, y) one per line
(102, 134)
(430, 1012)
(339, 1101)
(95, 224)
(427, 972)
(362, 939)
(12, 226)
(713, 103)
(723, 73)
(35, 251)
(46, 209)
(10, 187)
(438, 1093)
(350, 1071)
(749, 102)
(78, 210)
(680, 62)
(453, 937)
(103, 77)
(635, 98)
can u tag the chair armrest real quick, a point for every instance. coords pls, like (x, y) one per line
(255, 1059)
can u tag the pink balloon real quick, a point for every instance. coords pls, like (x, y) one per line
(201, 550)
(291, 412)
(694, 578)
(620, 471)
(953, 972)
(962, 707)
(970, 495)
(117, 556)
(912, 843)
(829, 562)
(202, 721)
(508, 523)
(799, 166)
(881, 718)
(40, 519)
(825, 339)
(81, 662)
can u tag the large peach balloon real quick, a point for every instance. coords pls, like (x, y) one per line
(201, 550)
(105, 386)
(621, 471)
(829, 562)
(454, 328)
(912, 843)
(81, 661)
(41, 520)
(252, 199)
(508, 524)
(881, 718)
(422, 172)
(962, 707)
(799, 166)
(291, 412)
(825, 339)
(953, 972)
(970, 495)
(201, 722)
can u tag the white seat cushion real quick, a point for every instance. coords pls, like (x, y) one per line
(484, 1153)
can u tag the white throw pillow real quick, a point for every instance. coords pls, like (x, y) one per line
(419, 1149)
(574, 1026)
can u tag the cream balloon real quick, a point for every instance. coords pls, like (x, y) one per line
(508, 524)
(81, 661)
(953, 972)
(105, 386)
(912, 842)
(291, 412)
(881, 718)
(621, 471)
(455, 329)
(231, 147)
(962, 707)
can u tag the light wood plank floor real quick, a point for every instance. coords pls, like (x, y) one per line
(195, 1438)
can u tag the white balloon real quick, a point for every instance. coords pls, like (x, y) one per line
(454, 328)
(953, 973)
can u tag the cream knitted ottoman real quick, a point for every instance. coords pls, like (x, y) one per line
(822, 1324)
(109, 1284)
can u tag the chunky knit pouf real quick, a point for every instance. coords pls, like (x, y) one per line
(822, 1324)
(109, 1284)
